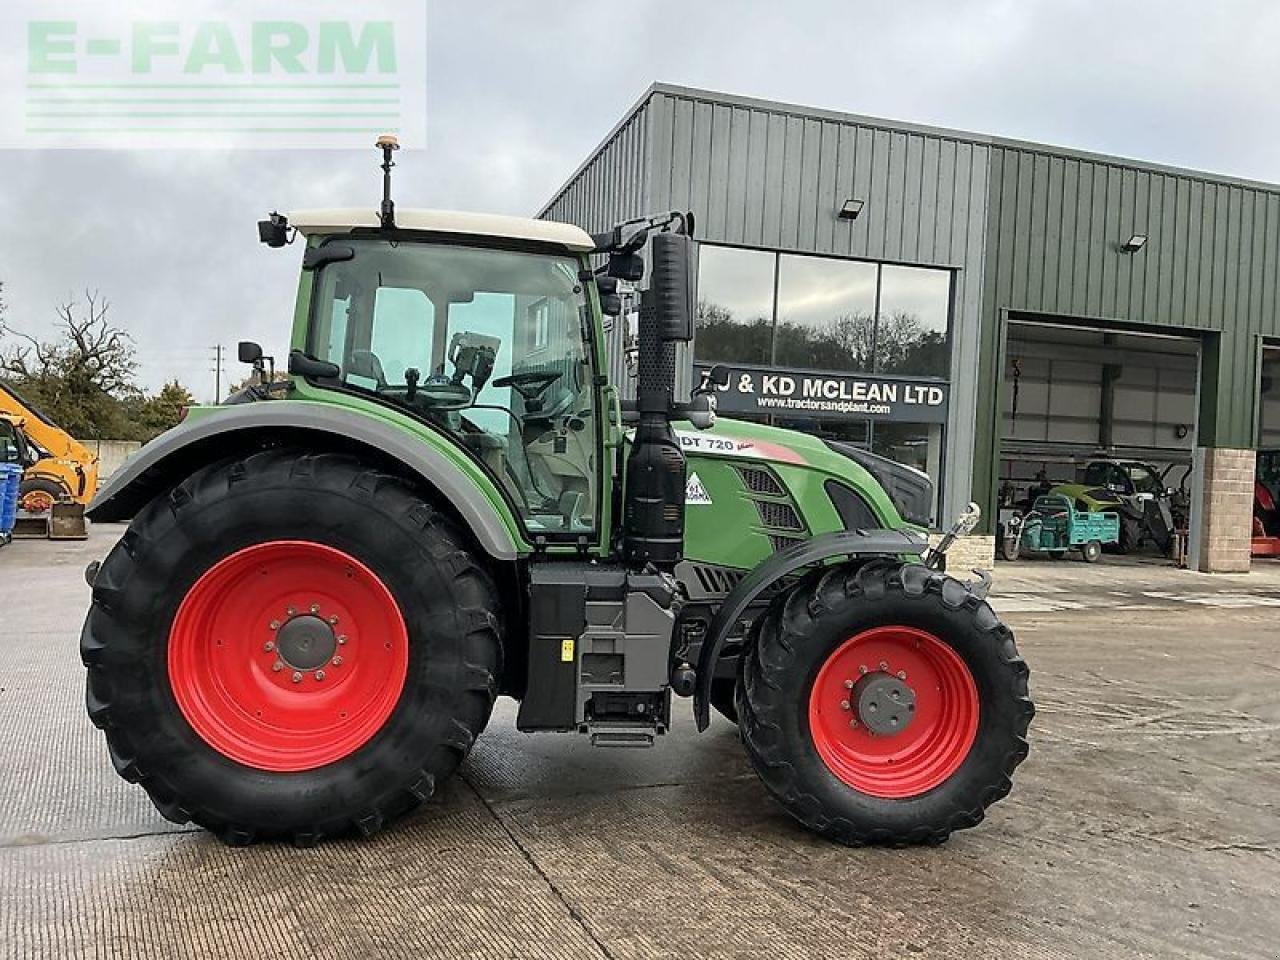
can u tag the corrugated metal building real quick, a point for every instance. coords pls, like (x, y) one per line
(865, 250)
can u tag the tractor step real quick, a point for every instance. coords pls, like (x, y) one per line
(617, 735)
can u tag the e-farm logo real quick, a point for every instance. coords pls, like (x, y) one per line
(264, 74)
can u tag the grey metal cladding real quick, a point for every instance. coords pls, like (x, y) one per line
(1211, 262)
(773, 176)
(429, 463)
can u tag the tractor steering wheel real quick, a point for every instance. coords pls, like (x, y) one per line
(530, 384)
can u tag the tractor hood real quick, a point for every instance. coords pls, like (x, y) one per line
(1090, 498)
(909, 490)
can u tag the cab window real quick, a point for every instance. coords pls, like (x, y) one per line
(486, 344)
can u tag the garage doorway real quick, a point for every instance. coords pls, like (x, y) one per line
(1265, 535)
(1099, 422)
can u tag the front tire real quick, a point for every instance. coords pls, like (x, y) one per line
(290, 646)
(884, 704)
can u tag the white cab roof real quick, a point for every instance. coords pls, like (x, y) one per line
(445, 221)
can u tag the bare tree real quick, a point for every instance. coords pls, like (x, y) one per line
(81, 376)
(91, 350)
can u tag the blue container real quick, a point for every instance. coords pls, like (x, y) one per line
(10, 478)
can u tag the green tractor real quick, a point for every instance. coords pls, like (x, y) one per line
(325, 586)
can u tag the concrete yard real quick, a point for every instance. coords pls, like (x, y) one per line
(1144, 824)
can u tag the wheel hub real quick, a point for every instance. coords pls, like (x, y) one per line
(885, 704)
(306, 642)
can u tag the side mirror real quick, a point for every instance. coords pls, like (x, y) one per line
(626, 266)
(718, 375)
(249, 352)
(671, 286)
(715, 377)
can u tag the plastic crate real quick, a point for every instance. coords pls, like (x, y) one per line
(10, 478)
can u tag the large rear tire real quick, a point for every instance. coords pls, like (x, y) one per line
(290, 646)
(884, 704)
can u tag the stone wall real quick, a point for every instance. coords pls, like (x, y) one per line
(1227, 511)
(111, 454)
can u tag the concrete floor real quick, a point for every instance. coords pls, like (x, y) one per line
(1144, 824)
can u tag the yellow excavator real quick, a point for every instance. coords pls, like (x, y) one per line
(61, 474)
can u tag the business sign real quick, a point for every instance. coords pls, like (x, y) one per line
(810, 393)
(182, 74)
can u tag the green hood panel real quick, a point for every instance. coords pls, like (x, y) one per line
(730, 523)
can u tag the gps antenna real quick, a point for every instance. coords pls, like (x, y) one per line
(388, 145)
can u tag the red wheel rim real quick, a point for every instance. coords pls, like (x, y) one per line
(936, 735)
(37, 501)
(288, 655)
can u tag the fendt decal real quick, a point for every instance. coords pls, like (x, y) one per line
(740, 449)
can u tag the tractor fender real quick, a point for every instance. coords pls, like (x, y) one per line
(175, 455)
(847, 543)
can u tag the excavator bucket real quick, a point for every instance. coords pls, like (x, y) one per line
(67, 522)
(31, 526)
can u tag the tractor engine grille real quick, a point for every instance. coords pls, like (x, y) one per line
(779, 516)
(781, 543)
(758, 480)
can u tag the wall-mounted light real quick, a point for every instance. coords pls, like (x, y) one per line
(850, 209)
(1134, 243)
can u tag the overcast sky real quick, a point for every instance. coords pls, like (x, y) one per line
(520, 92)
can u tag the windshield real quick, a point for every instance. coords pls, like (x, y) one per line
(486, 344)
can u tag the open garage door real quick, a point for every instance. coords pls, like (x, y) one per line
(1101, 424)
(1265, 535)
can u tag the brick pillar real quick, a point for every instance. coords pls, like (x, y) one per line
(975, 552)
(1226, 510)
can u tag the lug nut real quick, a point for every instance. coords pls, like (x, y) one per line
(337, 661)
(902, 674)
(319, 674)
(297, 677)
(844, 704)
(862, 670)
(848, 684)
(277, 666)
(292, 611)
(275, 624)
(315, 608)
(333, 621)
(884, 666)
(853, 723)
(342, 638)
(268, 646)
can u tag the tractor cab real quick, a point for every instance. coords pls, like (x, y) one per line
(487, 337)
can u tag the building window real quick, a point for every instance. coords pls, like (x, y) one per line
(826, 313)
(911, 336)
(735, 305)
(822, 313)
